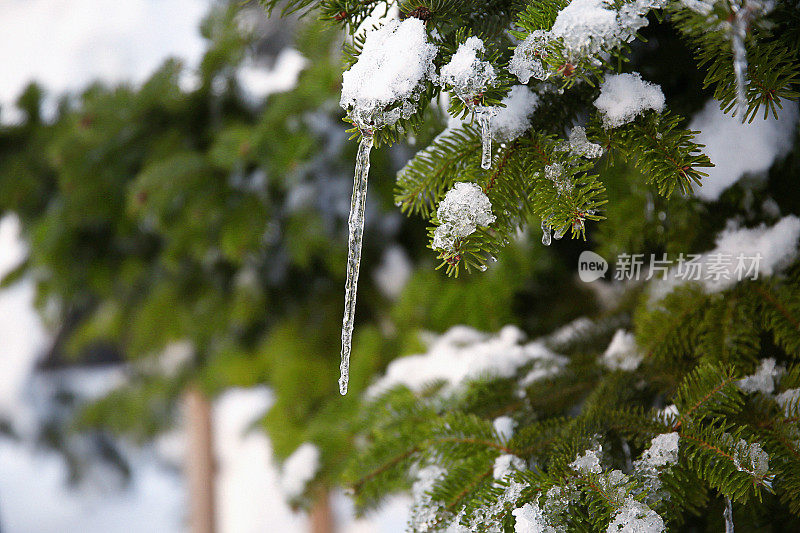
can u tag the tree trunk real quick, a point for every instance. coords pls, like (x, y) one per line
(200, 463)
(321, 518)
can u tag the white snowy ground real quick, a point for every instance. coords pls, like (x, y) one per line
(64, 45)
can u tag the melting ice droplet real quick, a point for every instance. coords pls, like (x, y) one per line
(546, 229)
(394, 63)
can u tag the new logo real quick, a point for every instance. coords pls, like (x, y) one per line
(591, 266)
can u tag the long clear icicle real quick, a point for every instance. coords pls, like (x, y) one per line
(484, 117)
(356, 226)
(738, 35)
(728, 515)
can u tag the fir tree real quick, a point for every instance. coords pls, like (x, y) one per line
(690, 421)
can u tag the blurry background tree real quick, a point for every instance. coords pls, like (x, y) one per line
(200, 236)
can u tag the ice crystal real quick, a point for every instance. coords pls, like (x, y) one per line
(663, 450)
(662, 453)
(355, 222)
(579, 145)
(527, 59)
(751, 458)
(556, 173)
(546, 233)
(465, 207)
(530, 518)
(470, 76)
(589, 462)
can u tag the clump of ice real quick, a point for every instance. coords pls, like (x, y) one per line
(737, 149)
(763, 380)
(562, 180)
(580, 145)
(464, 208)
(530, 518)
(424, 511)
(663, 451)
(507, 464)
(788, 400)
(504, 427)
(622, 353)
(464, 354)
(527, 59)
(394, 63)
(514, 119)
(298, 469)
(702, 7)
(587, 28)
(467, 73)
(635, 517)
(623, 97)
(589, 461)
(763, 251)
(751, 458)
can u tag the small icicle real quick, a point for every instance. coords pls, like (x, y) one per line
(546, 229)
(483, 115)
(356, 225)
(738, 35)
(728, 515)
(560, 233)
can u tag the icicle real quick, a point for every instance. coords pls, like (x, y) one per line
(484, 117)
(560, 232)
(728, 515)
(356, 225)
(626, 449)
(546, 229)
(738, 34)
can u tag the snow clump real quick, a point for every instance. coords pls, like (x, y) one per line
(507, 464)
(622, 353)
(463, 354)
(763, 380)
(514, 119)
(466, 72)
(635, 517)
(623, 97)
(394, 63)
(298, 469)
